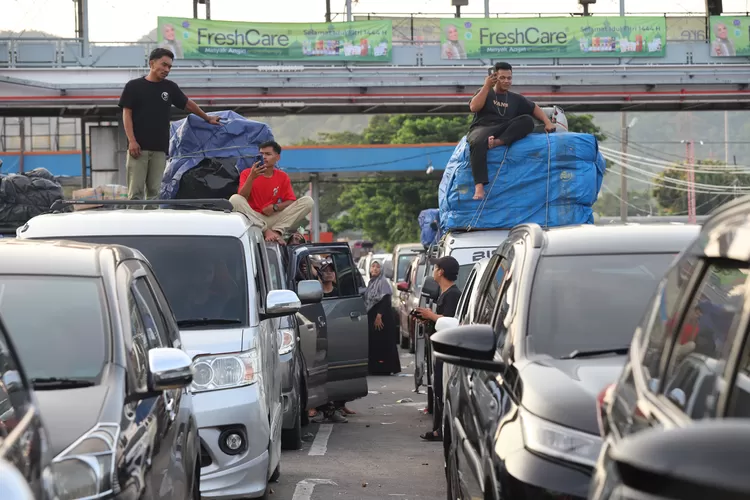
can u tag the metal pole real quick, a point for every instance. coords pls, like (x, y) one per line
(623, 168)
(486, 8)
(622, 7)
(85, 28)
(328, 11)
(195, 9)
(348, 11)
(84, 163)
(208, 9)
(22, 132)
(315, 217)
(458, 11)
(691, 182)
(726, 137)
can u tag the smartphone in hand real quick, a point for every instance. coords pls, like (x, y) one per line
(258, 159)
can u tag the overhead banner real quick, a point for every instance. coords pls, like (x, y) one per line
(730, 36)
(207, 39)
(584, 37)
(408, 29)
(686, 29)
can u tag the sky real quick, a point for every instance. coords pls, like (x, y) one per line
(129, 20)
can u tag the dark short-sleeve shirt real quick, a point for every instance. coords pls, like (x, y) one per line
(447, 303)
(501, 108)
(151, 103)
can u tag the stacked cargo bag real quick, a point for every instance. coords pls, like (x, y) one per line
(549, 179)
(205, 160)
(23, 196)
(429, 224)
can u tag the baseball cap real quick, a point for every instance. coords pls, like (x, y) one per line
(449, 265)
(324, 262)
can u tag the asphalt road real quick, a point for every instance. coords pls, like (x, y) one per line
(376, 455)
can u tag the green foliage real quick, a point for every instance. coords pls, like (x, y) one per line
(584, 124)
(673, 198)
(639, 204)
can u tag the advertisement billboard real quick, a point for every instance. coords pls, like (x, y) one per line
(730, 36)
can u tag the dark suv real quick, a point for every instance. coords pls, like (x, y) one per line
(101, 349)
(555, 313)
(690, 357)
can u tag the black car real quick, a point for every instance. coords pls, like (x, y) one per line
(690, 357)
(23, 441)
(554, 318)
(101, 349)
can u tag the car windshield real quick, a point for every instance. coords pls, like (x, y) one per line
(204, 277)
(59, 325)
(591, 302)
(420, 275)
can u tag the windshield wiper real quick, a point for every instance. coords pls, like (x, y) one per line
(60, 383)
(595, 352)
(207, 322)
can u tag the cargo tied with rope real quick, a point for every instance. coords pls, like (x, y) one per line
(549, 179)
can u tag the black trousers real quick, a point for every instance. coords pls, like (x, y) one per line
(437, 391)
(508, 132)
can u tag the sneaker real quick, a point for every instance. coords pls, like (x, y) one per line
(318, 418)
(338, 418)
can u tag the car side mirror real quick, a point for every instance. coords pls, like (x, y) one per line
(169, 368)
(668, 457)
(430, 289)
(13, 483)
(445, 323)
(388, 270)
(281, 303)
(403, 286)
(309, 291)
(470, 346)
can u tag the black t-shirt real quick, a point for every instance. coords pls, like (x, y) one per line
(151, 103)
(447, 303)
(500, 108)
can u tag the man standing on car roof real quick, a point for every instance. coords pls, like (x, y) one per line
(146, 104)
(266, 196)
(445, 273)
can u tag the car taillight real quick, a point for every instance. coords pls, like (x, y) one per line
(602, 400)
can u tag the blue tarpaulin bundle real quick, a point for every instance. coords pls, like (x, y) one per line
(429, 223)
(192, 139)
(550, 179)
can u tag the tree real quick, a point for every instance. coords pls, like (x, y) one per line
(673, 197)
(639, 204)
(584, 124)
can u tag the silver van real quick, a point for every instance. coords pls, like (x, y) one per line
(213, 266)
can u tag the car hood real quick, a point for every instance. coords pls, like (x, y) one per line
(564, 391)
(197, 342)
(68, 414)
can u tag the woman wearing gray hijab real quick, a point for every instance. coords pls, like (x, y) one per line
(383, 353)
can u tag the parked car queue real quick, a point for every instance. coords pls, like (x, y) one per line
(546, 386)
(167, 353)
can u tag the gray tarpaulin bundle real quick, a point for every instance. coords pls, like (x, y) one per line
(23, 196)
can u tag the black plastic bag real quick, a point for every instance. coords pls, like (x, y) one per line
(211, 178)
(23, 196)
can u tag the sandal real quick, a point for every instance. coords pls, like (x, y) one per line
(348, 411)
(431, 436)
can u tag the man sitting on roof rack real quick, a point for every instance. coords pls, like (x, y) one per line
(266, 196)
(501, 117)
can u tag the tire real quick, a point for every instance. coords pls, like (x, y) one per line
(276, 474)
(405, 342)
(291, 439)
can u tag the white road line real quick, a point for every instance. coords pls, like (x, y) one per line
(304, 488)
(320, 444)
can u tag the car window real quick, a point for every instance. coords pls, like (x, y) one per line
(590, 302)
(463, 304)
(658, 326)
(156, 330)
(694, 377)
(489, 298)
(463, 274)
(14, 398)
(204, 277)
(138, 353)
(404, 260)
(739, 400)
(58, 324)
(274, 271)
(346, 281)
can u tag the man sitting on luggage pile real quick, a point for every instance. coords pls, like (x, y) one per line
(501, 117)
(266, 196)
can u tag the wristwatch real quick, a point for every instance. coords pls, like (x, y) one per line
(275, 207)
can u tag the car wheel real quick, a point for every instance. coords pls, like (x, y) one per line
(276, 474)
(454, 489)
(291, 439)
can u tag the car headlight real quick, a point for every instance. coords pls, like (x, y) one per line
(286, 340)
(554, 440)
(75, 478)
(225, 371)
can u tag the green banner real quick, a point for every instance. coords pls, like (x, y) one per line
(583, 37)
(730, 36)
(204, 39)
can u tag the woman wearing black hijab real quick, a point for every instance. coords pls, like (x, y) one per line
(383, 353)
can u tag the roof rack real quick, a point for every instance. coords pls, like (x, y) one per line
(198, 204)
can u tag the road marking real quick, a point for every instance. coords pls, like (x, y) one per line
(320, 444)
(304, 488)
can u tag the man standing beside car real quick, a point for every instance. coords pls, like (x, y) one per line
(445, 273)
(146, 103)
